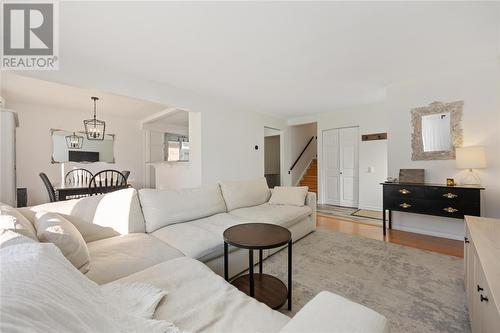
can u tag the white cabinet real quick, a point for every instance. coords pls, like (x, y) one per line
(489, 317)
(482, 273)
(8, 124)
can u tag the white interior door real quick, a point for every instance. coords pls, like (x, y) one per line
(348, 166)
(340, 167)
(331, 168)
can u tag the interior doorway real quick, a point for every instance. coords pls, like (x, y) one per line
(166, 141)
(272, 156)
(340, 167)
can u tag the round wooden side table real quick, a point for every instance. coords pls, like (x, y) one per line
(265, 288)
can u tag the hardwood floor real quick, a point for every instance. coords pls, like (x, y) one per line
(419, 241)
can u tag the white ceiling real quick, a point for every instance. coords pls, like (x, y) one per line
(288, 58)
(21, 89)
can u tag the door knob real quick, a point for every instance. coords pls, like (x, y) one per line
(479, 288)
(484, 298)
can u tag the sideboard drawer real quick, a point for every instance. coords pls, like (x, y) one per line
(404, 204)
(451, 195)
(403, 192)
(431, 207)
(454, 210)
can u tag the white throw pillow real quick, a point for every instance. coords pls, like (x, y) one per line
(245, 193)
(41, 291)
(12, 219)
(289, 195)
(53, 228)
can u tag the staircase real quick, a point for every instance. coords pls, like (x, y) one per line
(310, 177)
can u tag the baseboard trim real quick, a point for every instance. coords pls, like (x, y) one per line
(427, 232)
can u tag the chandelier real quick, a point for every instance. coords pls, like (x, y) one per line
(74, 141)
(94, 128)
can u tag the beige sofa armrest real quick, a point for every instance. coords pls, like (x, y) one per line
(328, 312)
(311, 202)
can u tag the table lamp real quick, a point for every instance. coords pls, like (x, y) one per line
(470, 158)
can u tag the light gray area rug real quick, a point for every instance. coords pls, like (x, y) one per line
(418, 291)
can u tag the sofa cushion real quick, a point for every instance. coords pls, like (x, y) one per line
(329, 312)
(42, 292)
(289, 195)
(116, 257)
(12, 219)
(200, 239)
(165, 207)
(247, 193)
(284, 216)
(53, 228)
(198, 300)
(100, 216)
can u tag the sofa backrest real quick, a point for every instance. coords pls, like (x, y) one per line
(246, 193)
(165, 207)
(98, 217)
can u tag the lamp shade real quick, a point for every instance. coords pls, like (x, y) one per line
(470, 158)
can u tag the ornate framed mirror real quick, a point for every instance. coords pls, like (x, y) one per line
(437, 131)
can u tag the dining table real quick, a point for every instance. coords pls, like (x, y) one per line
(72, 191)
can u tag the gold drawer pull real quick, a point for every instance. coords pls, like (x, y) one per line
(450, 195)
(404, 191)
(405, 205)
(450, 210)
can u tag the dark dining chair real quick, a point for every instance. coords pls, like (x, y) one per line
(48, 186)
(126, 173)
(78, 177)
(107, 181)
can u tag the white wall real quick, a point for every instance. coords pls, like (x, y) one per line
(370, 119)
(479, 88)
(228, 144)
(34, 146)
(372, 171)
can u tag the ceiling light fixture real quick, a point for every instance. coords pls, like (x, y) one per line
(94, 128)
(74, 141)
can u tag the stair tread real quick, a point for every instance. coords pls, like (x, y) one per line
(310, 177)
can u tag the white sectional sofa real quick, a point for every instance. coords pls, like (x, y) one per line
(173, 239)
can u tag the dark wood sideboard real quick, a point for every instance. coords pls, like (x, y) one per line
(430, 199)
